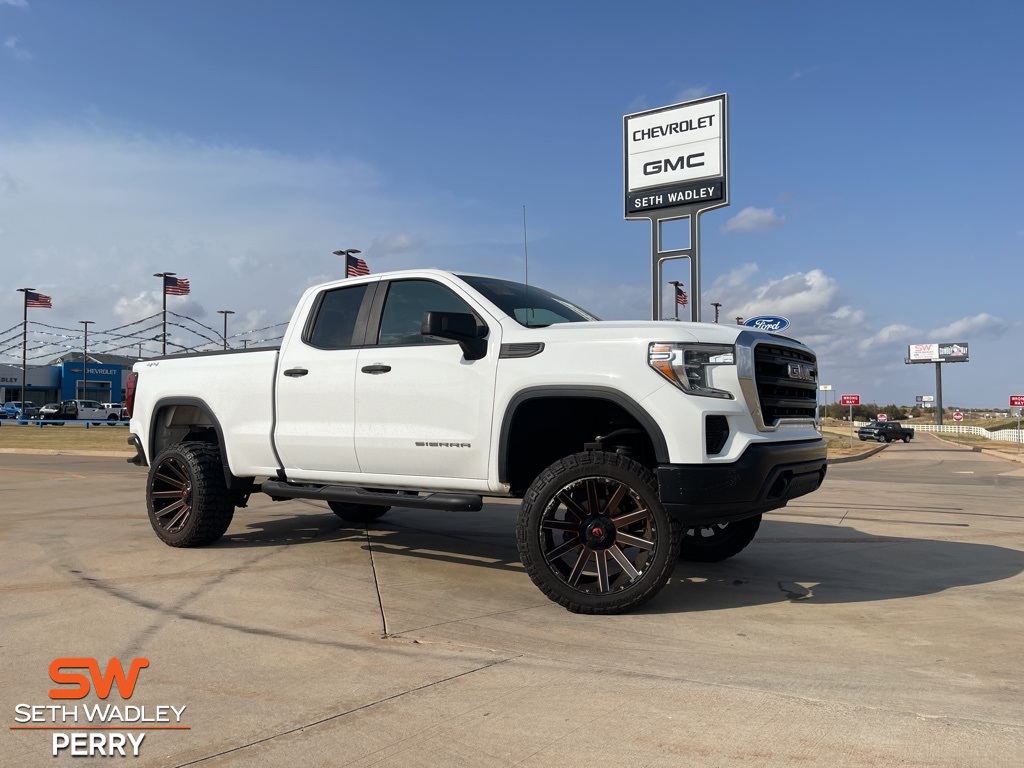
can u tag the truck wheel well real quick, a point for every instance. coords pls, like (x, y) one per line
(192, 422)
(545, 429)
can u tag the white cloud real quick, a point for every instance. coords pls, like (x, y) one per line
(983, 325)
(392, 244)
(15, 3)
(804, 72)
(904, 334)
(14, 49)
(689, 94)
(752, 219)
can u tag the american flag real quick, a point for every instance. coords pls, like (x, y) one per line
(33, 299)
(680, 296)
(176, 286)
(355, 267)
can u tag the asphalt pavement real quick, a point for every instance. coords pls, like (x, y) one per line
(876, 622)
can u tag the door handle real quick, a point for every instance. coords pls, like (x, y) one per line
(378, 368)
(295, 372)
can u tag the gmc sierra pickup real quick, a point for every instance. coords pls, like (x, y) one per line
(886, 432)
(631, 444)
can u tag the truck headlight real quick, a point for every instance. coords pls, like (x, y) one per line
(691, 367)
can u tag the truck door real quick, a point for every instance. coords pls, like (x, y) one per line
(315, 387)
(422, 409)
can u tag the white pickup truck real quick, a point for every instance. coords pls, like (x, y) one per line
(630, 443)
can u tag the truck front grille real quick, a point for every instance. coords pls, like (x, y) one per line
(787, 382)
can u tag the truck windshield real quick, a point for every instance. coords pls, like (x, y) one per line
(530, 306)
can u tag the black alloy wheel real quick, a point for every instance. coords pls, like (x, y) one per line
(187, 496)
(594, 536)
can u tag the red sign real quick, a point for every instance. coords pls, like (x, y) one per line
(881, 417)
(850, 399)
(1017, 401)
(957, 416)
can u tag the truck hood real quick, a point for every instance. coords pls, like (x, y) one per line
(641, 330)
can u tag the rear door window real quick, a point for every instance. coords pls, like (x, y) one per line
(336, 314)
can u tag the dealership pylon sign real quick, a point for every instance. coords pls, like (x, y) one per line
(676, 166)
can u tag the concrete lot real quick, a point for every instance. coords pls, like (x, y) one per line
(877, 622)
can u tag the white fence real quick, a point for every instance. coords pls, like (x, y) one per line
(1009, 435)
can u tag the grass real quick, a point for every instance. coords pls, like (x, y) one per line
(76, 438)
(838, 441)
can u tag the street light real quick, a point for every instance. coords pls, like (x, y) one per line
(345, 254)
(85, 359)
(163, 292)
(225, 312)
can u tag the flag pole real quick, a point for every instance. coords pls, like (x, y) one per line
(163, 290)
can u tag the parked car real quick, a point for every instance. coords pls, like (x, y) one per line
(14, 409)
(49, 411)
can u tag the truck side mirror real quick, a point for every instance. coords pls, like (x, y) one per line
(457, 326)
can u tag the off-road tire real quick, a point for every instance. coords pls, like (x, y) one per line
(594, 536)
(715, 543)
(186, 495)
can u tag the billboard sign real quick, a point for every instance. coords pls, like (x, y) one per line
(948, 352)
(770, 323)
(849, 399)
(926, 398)
(677, 155)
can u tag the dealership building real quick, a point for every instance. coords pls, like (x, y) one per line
(65, 378)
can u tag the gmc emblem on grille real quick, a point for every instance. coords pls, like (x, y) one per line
(801, 371)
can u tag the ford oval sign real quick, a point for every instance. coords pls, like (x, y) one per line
(767, 323)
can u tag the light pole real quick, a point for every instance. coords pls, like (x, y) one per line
(345, 254)
(717, 305)
(24, 344)
(163, 292)
(85, 359)
(225, 312)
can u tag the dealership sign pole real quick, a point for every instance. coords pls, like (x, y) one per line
(950, 352)
(676, 166)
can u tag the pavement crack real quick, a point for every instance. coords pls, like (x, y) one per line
(338, 715)
(376, 585)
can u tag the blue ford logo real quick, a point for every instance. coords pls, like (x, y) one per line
(767, 323)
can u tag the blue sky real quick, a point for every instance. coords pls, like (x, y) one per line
(876, 162)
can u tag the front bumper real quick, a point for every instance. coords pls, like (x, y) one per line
(767, 476)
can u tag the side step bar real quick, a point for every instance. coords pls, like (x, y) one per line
(454, 502)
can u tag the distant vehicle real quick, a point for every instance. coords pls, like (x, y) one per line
(886, 432)
(14, 409)
(89, 410)
(49, 411)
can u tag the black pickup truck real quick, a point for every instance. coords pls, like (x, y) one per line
(886, 432)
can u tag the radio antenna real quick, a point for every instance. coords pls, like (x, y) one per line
(526, 268)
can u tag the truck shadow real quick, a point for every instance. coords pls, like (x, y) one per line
(787, 562)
